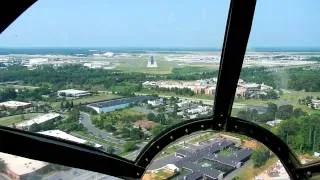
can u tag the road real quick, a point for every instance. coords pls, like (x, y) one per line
(86, 121)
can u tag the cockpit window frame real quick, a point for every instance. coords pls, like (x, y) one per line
(238, 27)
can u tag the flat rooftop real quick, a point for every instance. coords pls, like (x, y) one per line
(20, 165)
(73, 91)
(63, 135)
(121, 101)
(14, 103)
(39, 119)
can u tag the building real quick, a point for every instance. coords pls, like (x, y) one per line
(66, 136)
(152, 63)
(274, 122)
(14, 105)
(40, 120)
(73, 93)
(315, 104)
(38, 61)
(112, 105)
(19, 168)
(144, 124)
(155, 102)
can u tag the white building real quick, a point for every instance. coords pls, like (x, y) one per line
(20, 167)
(156, 102)
(198, 110)
(38, 120)
(38, 61)
(66, 136)
(73, 93)
(315, 104)
(14, 105)
(274, 122)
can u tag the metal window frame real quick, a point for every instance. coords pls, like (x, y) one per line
(54, 150)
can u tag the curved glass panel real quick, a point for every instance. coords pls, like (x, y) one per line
(279, 86)
(110, 74)
(215, 155)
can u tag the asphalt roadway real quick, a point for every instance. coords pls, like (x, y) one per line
(92, 129)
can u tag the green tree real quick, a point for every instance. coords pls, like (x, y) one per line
(156, 130)
(110, 149)
(260, 156)
(136, 134)
(129, 146)
(298, 112)
(285, 111)
(160, 118)
(151, 116)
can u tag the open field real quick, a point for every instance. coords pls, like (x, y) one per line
(90, 99)
(6, 121)
(290, 97)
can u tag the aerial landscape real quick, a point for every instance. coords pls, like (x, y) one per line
(107, 78)
(117, 100)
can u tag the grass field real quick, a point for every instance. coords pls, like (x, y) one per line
(90, 99)
(6, 121)
(291, 97)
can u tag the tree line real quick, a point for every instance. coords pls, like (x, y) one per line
(272, 112)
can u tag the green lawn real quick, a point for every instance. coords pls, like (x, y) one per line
(9, 120)
(290, 98)
(90, 99)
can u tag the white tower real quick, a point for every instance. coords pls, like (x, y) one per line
(152, 63)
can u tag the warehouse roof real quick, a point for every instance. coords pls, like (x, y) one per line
(14, 103)
(20, 165)
(63, 135)
(39, 119)
(121, 101)
(73, 91)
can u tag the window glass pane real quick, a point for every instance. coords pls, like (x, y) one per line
(110, 74)
(15, 167)
(279, 86)
(215, 155)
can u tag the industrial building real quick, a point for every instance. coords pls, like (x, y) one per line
(156, 102)
(206, 161)
(14, 105)
(46, 118)
(18, 168)
(112, 105)
(73, 93)
(63, 135)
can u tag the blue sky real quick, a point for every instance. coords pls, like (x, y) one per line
(162, 23)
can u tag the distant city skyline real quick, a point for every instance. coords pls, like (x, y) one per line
(161, 24)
